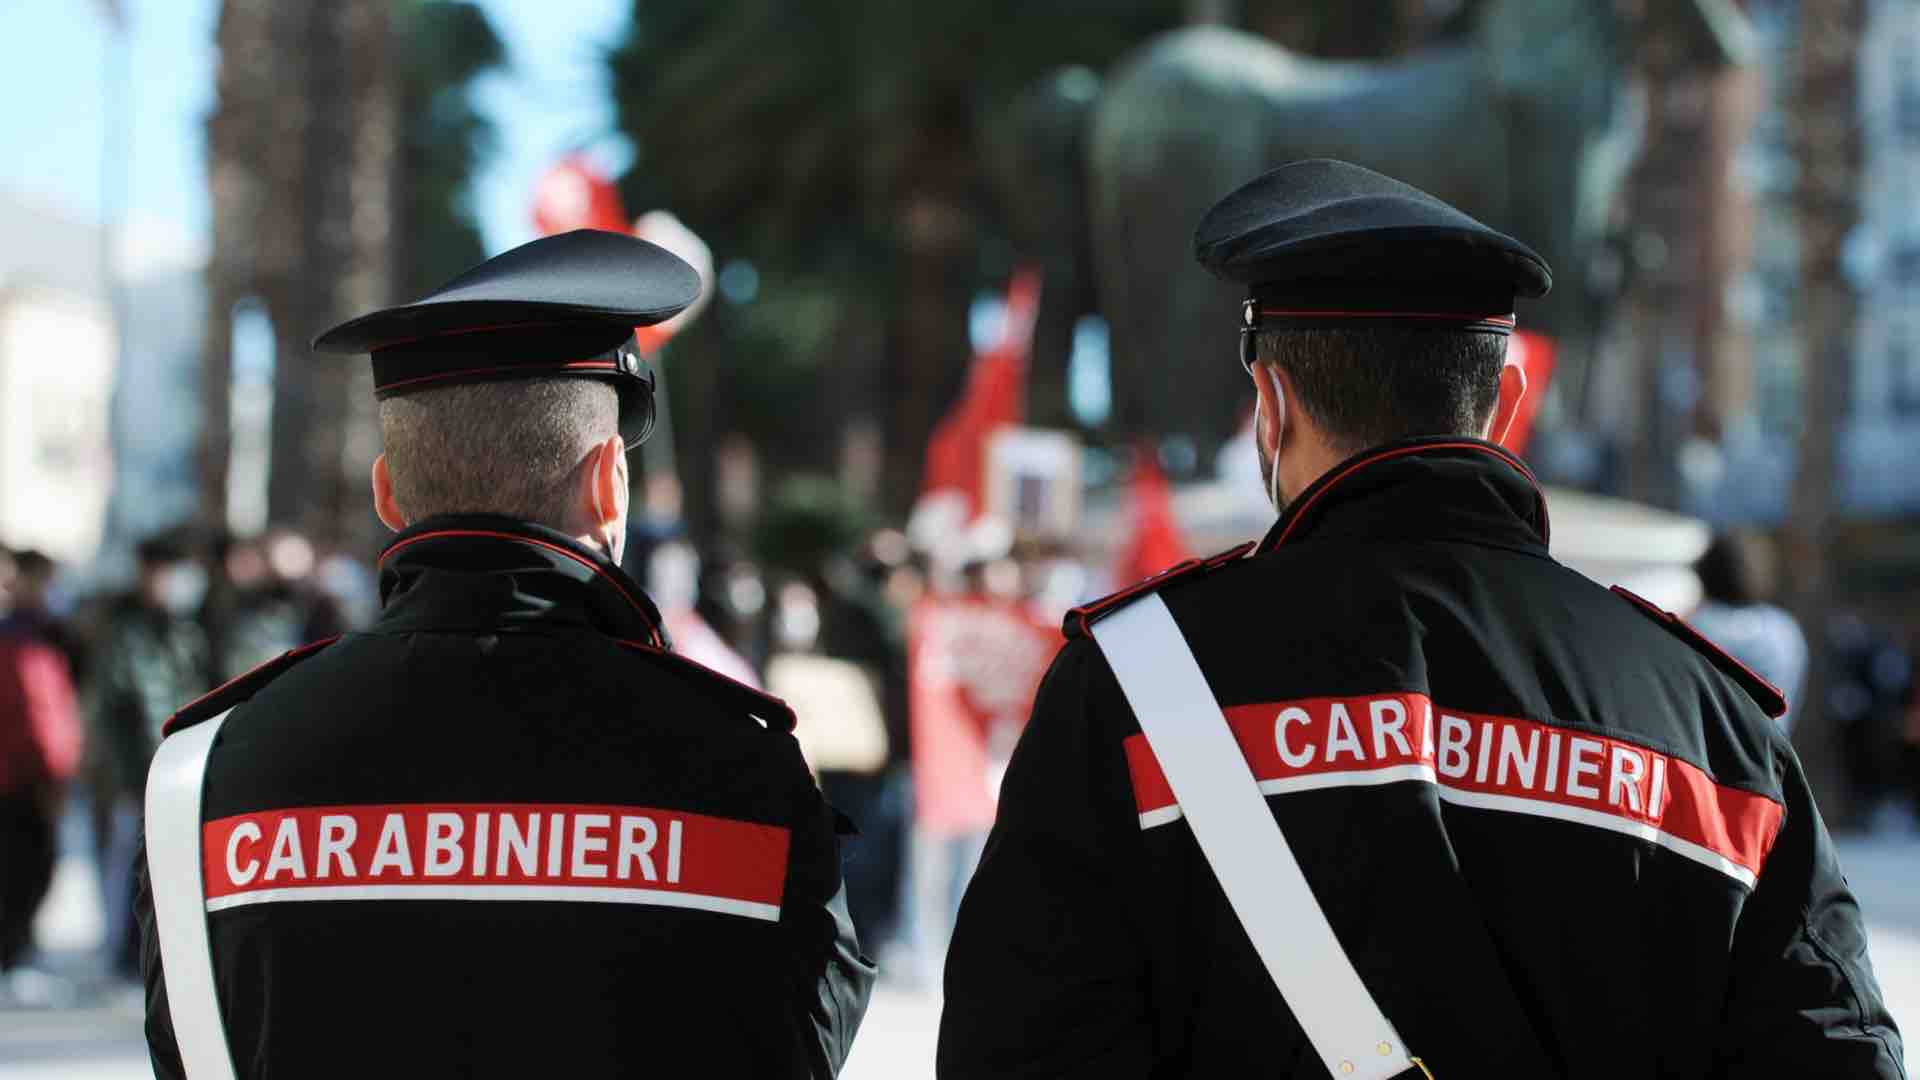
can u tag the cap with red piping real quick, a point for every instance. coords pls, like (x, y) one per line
(1323, 243)
(562, 306)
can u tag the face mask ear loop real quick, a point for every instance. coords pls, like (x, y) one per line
(1279, 431)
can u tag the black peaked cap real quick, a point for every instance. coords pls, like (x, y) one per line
(562, 306)
(1323, 237)
(586, 276)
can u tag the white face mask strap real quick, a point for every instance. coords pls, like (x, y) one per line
(1279, 429)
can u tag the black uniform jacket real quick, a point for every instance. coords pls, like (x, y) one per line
(504, 832)
(1557, 835)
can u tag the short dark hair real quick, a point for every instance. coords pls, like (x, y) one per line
(504, 447)
(32, 562)
(1369, 385)
(1736, 569)
(168, 546)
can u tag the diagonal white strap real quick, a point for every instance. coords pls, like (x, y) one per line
(174, 785)
(1249, 855)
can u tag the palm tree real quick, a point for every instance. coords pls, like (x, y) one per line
(442, 49)
(340, 150)
(301, 151)
(838, 146)
(1824, 130)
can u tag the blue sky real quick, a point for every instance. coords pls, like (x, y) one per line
(54, 57)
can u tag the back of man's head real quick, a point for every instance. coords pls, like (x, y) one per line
(1736, 569)
(1363, 386)
(510, 447)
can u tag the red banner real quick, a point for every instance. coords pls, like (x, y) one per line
(574, 194)
(974, 664)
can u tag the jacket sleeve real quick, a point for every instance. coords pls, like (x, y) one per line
(1802, 997)
(1047, 975)
(161, 1045)
(835, 979)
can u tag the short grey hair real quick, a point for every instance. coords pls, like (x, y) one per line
(507, 447)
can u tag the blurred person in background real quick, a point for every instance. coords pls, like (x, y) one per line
(325, 605)
(976, 656)
(151, 657)
(673, 579)
(1870, 696)
(1737, 579)
(251, 614)
(839, 658)
(39, 612)
(265, 600)
(40, 741)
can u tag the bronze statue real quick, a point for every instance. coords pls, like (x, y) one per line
(1524, 124)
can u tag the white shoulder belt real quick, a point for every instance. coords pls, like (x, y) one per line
(174, 786)
(1242, 842)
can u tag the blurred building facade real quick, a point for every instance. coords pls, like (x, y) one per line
(1748, 476)
(98, 406)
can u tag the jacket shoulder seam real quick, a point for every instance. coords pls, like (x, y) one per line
(1079, 621)
(756, 703)
(1756, 686)
(240, 688)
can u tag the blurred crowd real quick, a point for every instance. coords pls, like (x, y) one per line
(88, 678)
(912, 655)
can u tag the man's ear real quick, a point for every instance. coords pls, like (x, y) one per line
(606, 480)
(383, 504)
(1270, 388)
(1513, 389)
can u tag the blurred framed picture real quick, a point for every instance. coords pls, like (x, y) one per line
(1033, 482)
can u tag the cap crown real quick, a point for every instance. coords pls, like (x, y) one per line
(585, 278)
(1348, 234)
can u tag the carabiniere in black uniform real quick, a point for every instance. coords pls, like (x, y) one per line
(504, 830)
(1556, 831)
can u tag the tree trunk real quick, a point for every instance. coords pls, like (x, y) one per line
(1726, 352)
(238, 136)
(939, 229)
(1217, 12)
(931, 334)
(1824, 129)
(1689, 224)
(301, 148)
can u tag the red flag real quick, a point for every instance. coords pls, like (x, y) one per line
(974, 663)
(1535, 354)
(995, 396)
(576, 195)
(1155, 543)
(661, 227)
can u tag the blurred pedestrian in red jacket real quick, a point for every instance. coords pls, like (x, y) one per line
(39, 748)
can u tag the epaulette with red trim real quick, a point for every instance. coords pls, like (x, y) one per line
(1080, 620)
(1764, 693)
(240, 687)
(762, 706)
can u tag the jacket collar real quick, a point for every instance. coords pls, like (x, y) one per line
(1445, 487)
(483, 571)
